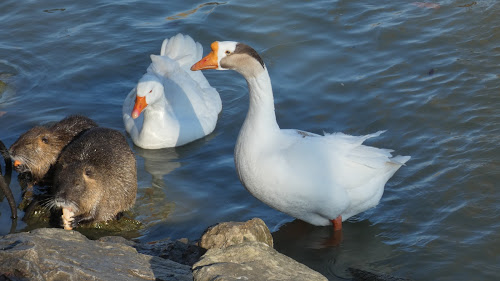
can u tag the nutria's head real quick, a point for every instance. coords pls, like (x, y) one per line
(36, 151)
(78, 188)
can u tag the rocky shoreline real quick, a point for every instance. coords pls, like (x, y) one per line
(227, 251)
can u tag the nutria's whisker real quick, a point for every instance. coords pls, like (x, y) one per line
(28, 162)
(66, 203)
(48, 203)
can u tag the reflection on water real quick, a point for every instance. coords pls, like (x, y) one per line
(152, 204)
(158, 162)
(210, 5)
(7, 91)
(317, 247)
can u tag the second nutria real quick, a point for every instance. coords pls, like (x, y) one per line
(37, 150)
(95, 177)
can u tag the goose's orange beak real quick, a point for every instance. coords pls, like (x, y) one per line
(210, 61)
(140, 104)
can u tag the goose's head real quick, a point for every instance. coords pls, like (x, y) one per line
(232, 55)
(149, 90)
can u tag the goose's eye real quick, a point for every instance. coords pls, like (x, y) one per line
(228, 52)
(150, 91)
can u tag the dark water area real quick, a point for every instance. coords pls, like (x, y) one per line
(428, 74)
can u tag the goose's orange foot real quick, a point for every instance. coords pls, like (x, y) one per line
(337, 223)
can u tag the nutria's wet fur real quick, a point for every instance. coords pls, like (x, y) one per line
(96, 176)
(37, 150)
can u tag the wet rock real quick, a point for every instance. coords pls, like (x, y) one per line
(251, 261)
(57, 254)
(232, 233)
(181, 251)
(363, 275)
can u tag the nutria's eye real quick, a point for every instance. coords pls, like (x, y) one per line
(88, 172)
(45, 139)
(228, 52)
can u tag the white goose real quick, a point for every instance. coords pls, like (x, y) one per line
(178, 105)
(318, 179)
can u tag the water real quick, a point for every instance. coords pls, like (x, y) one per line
(429, 76)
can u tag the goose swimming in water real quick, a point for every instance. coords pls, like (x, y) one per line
(177, 105)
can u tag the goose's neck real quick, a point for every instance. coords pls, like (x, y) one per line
(261, 115)
(157, 115)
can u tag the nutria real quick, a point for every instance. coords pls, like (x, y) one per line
(95, 177)
(36, 151)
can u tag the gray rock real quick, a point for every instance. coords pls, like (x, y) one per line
(57, 254)
(232, 233)
(251, 261)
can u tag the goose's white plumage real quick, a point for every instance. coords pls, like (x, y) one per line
(181, 104)
(311, 177)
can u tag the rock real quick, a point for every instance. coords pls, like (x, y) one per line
(244, 250)
(181, 251)
(57, 254)
(117, 240)
(238, 251)
(232, 233)
(250, 261)
(363, 275)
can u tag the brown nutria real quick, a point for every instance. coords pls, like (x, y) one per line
(37, 150)
(95, 177)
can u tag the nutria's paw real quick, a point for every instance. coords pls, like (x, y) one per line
(80, 219)
(67, 219)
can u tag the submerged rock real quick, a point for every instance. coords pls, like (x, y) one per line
(363, 275)
(182, 251)
(57, 254)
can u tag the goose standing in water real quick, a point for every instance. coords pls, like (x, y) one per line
(318, 179)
